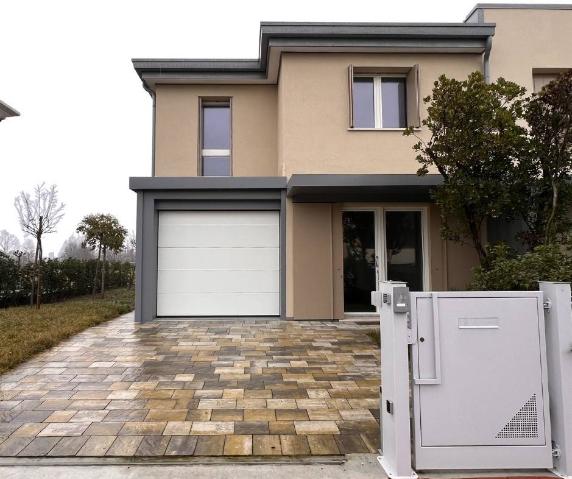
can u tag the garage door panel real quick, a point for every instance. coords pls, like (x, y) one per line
(219, 235)
(218, 263)
(206, 281)
(219, 304)
(207, 217)
(219, 258)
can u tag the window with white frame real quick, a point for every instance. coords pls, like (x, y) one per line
(215, 138)
(379, 101)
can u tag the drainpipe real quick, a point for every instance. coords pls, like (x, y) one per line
(153, 96)
(486, 60)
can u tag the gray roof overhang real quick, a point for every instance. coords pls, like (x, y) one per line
(381, 187)
(279, 37)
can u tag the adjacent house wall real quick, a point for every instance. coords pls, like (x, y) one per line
(254, 120)
(526, 39)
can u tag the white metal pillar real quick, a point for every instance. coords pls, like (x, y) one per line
(558, 321)
(392, 299)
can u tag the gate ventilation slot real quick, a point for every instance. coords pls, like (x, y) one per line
(524, 424)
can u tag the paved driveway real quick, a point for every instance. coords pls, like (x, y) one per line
(203, 388)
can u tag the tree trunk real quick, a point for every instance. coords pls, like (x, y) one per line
(94, 289)
(550, 220)
(103, 273)
(39, 270)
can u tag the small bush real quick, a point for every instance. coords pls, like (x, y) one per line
(507, 271)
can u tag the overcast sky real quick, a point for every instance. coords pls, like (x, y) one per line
(85, 121)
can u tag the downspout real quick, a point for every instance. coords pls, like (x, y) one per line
(153, 96)
(486, 60)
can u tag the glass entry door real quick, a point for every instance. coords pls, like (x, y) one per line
(380, 243)
(360, 258)
(404, 248)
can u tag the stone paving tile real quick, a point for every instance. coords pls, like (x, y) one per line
(294, 445)
(210, 446)
(68, 446)
(124, 446)
(64, 429)
(227, 387)
(153, 446)
(238, 445)
(96, 446)
(266, 445)
(40, 446)
(13, 445)
(182, 446)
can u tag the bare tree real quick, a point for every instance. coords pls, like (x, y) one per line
(74, 247)
(39, 214)
(8, 242)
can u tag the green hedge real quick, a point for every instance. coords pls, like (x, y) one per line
(61, 279)
(509, 271)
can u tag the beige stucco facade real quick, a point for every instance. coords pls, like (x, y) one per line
(295, 120)
(254, 128)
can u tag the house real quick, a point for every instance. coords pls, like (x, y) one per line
(7, 111)
(283, 186)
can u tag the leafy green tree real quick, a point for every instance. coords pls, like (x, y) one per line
(543, 180)
(104, 232)
(475, 139)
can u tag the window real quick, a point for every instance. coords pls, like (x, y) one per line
(383, 97)
(215, 138)
(379, 101)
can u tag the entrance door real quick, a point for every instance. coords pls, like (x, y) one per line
(381, 244)
(360, 260)
(404, 248)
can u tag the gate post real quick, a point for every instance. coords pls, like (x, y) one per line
(558, 315)
(392, 299)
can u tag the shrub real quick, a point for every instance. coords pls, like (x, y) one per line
(62, 279)
(506, 271)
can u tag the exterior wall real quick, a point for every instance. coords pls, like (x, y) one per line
(312, 261)
(527, 39)
(314, 112)
(254, 136)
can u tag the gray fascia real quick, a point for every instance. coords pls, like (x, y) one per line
(207, 183)
(7, 111)
(317, 36)
(518, 6)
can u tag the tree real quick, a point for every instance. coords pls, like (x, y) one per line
(74, 247)
(544, 173)
(39, 213)
(105, 233)
(8, 242)
(475, 139)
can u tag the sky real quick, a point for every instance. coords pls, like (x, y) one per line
(85, 121)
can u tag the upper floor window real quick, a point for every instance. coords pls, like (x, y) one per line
(379, 101)
(215, 138)
(383, 97)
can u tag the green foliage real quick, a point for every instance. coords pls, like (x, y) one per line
(507, 271)
(543, 180)
(103, 231)
(475, 139)
(61, 279)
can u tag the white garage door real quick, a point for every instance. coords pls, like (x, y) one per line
(218, 263)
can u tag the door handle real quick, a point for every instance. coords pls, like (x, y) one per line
(436, 345)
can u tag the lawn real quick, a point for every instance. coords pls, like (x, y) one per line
(25, 331)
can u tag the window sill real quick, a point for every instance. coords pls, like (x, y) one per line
(382, 129)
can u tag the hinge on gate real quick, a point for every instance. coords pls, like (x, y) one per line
(547, 305)
(556, 451)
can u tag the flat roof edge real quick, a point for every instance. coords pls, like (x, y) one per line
(518, 6)
(145, 183)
